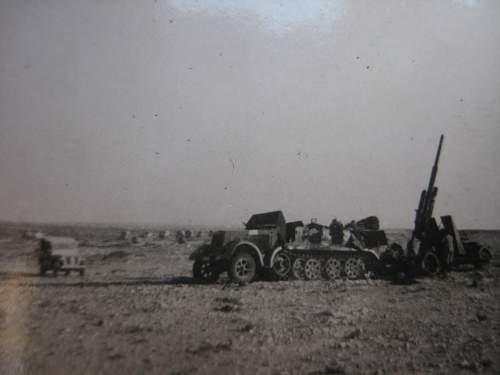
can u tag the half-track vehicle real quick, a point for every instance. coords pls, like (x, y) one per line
(59, 254)
(243, 254)
(309, 254)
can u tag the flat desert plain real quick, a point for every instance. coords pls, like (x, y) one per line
(137, 310)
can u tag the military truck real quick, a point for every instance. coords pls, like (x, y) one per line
(59, 254)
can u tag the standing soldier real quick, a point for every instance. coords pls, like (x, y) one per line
(336, 232)
(446, 250)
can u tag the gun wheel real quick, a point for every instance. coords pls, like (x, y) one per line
(430, 263)
(354, 268)
(312, 269)
(333, 268)
(282, 265)
(298, 269)
(484, 257)
(57, 266)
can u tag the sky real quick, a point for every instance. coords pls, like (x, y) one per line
(205, 112)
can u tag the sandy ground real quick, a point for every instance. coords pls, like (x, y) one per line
(137, 311)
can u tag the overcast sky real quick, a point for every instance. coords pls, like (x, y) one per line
(204, 112)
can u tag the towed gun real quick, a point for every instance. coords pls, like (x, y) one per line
(441, 248)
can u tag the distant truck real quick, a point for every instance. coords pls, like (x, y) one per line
(59, 254)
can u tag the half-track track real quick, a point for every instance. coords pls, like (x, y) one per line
(326, 263)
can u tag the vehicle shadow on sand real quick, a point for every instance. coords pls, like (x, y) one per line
(17, 275)
(63, 281)
(74, 281)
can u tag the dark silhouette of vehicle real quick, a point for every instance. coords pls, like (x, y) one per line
(59, 254)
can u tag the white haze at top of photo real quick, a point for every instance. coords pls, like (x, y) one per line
(274, 16)
(204, 112)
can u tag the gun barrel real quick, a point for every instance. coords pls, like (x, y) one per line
(427, 198)
(432, 180)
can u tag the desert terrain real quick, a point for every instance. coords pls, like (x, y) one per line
(137, 310)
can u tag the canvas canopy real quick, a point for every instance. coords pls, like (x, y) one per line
(266, 220)
(61, 242)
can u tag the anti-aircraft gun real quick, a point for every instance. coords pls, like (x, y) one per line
(427, 244)
(433, 249)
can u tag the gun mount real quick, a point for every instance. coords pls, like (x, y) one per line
(436, 248)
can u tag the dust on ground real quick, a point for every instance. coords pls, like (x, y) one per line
(137, 310)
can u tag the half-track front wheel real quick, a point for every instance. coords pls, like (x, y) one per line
(282, 265)
(203, 272)
(354, 268)
(312, 269)
(243, 268)
(298, 268)
(333, 268)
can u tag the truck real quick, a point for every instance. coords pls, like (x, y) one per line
(59, 254)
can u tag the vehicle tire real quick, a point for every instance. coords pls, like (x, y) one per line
(243, 268)
(430, 263)
(204, 273)
(483, 257)
(312, 269)
(354, 268)
(57, 265)
(298, 269)
(333, 269)
(397, 252)
(282, 265)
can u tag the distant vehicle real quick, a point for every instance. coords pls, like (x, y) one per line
(59, 254)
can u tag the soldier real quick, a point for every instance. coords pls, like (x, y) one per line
(315, 232)
(336, 232)
(445, 250)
